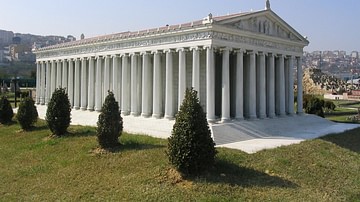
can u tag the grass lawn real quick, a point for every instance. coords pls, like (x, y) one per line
(34, 167)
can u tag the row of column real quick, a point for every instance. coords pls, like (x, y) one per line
(263, 82)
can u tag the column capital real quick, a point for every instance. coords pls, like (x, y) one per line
(134, 53)
(145, 52)
(156, 51)
(239, 50)
(196, 48)
(181, 49)
(222, 49)
(169, 50)
(124, 55)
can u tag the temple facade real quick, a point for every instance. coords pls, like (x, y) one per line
(242, 65)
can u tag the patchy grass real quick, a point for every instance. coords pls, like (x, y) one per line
(35, 167)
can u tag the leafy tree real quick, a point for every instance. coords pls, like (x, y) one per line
(6, 111)
(58, 112)
(27, 114)
(315, 106)
(329, 105)
(191, 150)
(110, 123)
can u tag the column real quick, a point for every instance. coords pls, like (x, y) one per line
(42, 81)
(125, 97)
(134, 85)
(53, 78)
(106, 77)
(182, 76)
(98, 84)
(169, 95)
(261, 86)
(299, 86)
(290, 85)
(239, 88)
(252, 86)
(71, 82)
(196, 70)
(58, 74)
(48, 83)
(115, 75)
(157, 94)
(225, 89)
(280, 87)
(210, 84)
(91, 85)
(84, 84)
(77, 88)
(38, 81)
(146, 86)
(64, 82)
(270, 86)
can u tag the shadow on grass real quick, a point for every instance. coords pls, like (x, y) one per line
(348, 139)
(228, 173)
(38, 128)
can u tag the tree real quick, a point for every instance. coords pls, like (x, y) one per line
(58, 112)
(315, 106)
(27, 114)
(191, 150)
(110, 123)
(6, 111)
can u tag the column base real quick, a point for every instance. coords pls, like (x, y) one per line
(240, 118)
(76, 107)
(135, 114)
(262, 116)
(272, 116)
(211, 120)
(225, 120)
(252, 117)
(145, 115)
(157, 116)
(90, 109)
(125, 113)
(300, 113)
(169, 117)
(83, 108)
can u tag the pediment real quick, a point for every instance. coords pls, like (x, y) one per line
(263, 22)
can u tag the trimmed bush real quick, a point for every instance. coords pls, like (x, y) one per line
(329, 105)
(110, 123)
(315, 106)
(191, 150)
(6, 111)
(58, 112)
(27, 114)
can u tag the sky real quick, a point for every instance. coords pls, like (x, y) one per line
(328, 24)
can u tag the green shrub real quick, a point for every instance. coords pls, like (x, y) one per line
(58, 112)
(110, 123)
(329, 105)
(191, 150)
(27, 114)
(315, 106)
(6, 111)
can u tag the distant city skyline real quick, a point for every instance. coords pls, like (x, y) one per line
(329, 25)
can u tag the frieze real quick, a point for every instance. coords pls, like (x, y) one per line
(119, 45)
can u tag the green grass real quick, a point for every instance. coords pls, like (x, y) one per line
(34, 167)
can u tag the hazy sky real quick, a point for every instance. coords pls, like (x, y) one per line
(328, 24)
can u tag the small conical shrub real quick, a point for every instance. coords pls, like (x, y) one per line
(6, 111)
(27, 114)
(110, 124)
(191, 150)
(58, 112)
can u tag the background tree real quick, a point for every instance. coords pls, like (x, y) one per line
(27, 113)
(110, 123)
(6, 111)
(191, 150)
(58, 112)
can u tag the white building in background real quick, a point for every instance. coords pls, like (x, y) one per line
(241, 64)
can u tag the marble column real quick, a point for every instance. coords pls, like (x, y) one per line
(106, 77)
(53, 78)
(299, 86)
(196, 70)
(116, 78)
(270, 86)
(91, 85)
(98, 84)
(135, 111)
(169, 94)
(84, 84)
(147, 85)
(239, 87)
(71, 82)
(261, 86)
(38, 82)
(58, 74)
(225, 88)
(64, 82)
(77, 87)
(43, 78)
(290, 85)
(280, 86)
(157, 91)
(182, 76)
(251, 84)
(125, 96)
(210, 84)
(48, 83)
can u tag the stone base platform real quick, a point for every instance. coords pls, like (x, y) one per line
(248, 136)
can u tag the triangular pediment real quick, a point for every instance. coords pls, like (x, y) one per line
(264, 22)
